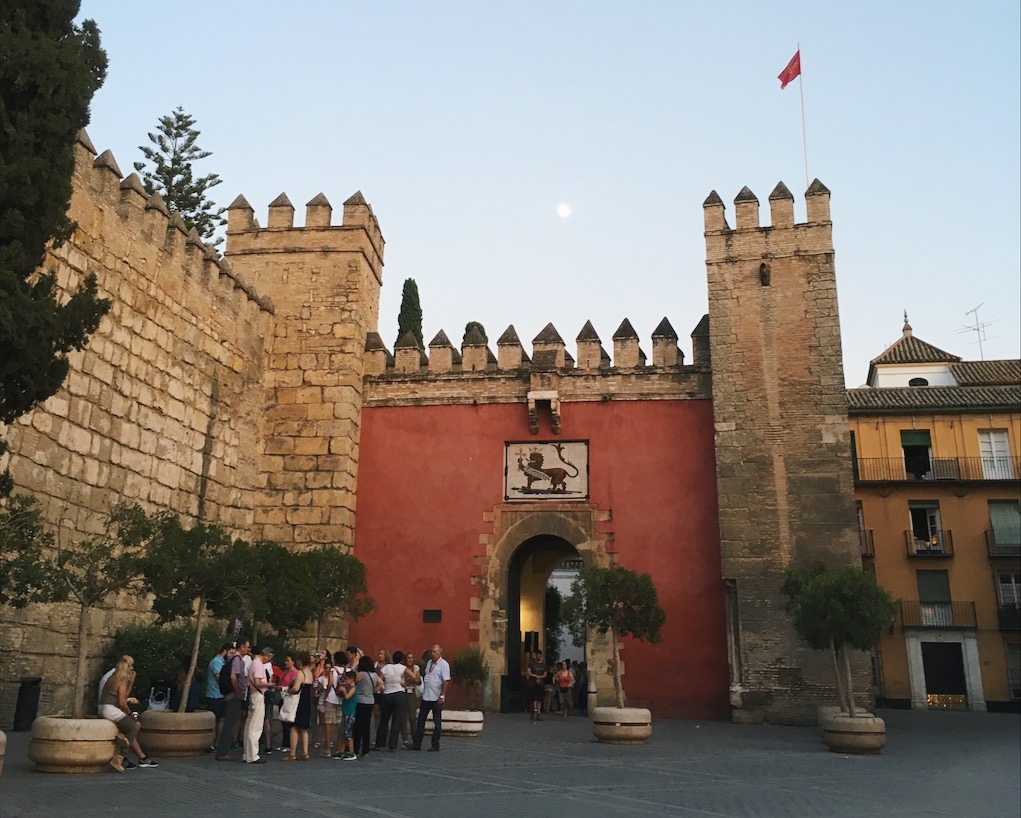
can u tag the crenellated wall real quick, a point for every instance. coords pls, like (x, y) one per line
(550, 376)
(235, 391)
(163, 406)
(324, 280)
(159, 406)
(782, 443)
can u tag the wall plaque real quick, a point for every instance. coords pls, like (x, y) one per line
(545, 471)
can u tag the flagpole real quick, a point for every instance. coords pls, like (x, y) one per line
(804, 130)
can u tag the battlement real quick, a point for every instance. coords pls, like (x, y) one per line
(750, 239)
(105, 204)
(473, 374)
(358, 231)
(549, 352)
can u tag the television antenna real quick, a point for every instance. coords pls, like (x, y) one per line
(979, 328)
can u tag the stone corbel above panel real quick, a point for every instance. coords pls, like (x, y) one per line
(542, 397)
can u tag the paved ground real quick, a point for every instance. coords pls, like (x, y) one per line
(935, 764)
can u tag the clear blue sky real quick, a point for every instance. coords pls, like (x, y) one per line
(465, 124)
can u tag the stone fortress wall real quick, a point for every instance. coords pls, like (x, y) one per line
(161, 408)
(231, 390)
(783, 455)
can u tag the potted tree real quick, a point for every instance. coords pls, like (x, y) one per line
(189, 572)
(470, 671)
(837, 610)
(85, 571)
(621, 603)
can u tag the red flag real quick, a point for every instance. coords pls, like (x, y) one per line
(792, 70)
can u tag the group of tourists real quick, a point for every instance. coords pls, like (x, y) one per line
(555, 687)
(343, 705)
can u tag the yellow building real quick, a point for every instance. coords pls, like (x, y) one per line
(937, 467)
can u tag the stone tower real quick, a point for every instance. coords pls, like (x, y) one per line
(782, 443)
(324, 281)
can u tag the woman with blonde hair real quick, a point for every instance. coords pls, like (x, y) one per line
(115, 702)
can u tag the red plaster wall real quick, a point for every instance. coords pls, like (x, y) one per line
(427, 474)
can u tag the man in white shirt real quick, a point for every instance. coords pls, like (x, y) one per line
(258, 683)
(435, 680)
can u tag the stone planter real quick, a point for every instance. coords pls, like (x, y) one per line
(861, 735)
(458, 723)
(621, 725)
(165, 733)
(62, 745)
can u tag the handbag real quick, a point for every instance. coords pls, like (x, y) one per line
(289, 708)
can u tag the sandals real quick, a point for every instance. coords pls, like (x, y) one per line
(289, 758)
(303, 758)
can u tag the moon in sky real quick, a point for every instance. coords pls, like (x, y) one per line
(563, 210)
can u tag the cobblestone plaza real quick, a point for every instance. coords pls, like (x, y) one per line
(935, 764)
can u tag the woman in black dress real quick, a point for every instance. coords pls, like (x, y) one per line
(302, 685)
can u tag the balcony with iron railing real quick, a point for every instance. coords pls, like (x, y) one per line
(1009, 617)
(946, 615)
(866, 542)
(1001, 549)
(952, 469)
(938, 544)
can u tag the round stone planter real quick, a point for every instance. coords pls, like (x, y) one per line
(62, 745)
(165, 733)
(861, 735)
(458, 723)
(621, 725)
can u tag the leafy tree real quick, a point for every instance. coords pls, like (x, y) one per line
(552, 620)
(337, 584)
(835, 609)
(172, 155)
(23, 575)
(618, 601)
(474, 325)
(189, 572)
(278, 589)
(470, 669)
(410, 316)
(89, 570)
(49, 70)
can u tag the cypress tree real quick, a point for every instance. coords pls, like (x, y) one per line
(49, 70)
(474, 325)
(172, 154)
(410, 316)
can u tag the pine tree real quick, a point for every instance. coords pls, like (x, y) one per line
(410, 316)
(49, 70)
(172, 176)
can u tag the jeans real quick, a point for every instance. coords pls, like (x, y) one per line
(231, 709)
(363, 728)
(423, 713)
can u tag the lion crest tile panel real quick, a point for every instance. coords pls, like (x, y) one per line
(546, 471)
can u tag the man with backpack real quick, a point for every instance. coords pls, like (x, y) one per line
(233, 682)
(214, 696)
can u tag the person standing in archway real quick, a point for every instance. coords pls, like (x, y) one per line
(533, 685)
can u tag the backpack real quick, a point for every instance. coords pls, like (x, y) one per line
(226, 686)
(338, 686)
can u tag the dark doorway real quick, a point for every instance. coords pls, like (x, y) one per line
(943, 663)
(527, 575)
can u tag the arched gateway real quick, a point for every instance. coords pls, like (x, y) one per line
(527, 542)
